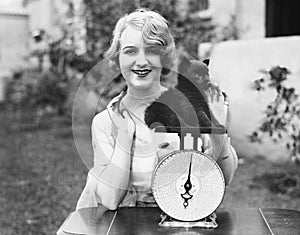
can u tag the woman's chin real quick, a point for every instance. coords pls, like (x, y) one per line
(143, 83)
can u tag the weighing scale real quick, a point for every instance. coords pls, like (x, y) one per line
(187, 184)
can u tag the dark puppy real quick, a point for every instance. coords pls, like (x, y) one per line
(184, 105)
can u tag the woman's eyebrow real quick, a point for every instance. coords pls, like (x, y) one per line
(128, 46)
(154, 46)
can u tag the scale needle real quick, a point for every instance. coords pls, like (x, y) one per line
(188, 186)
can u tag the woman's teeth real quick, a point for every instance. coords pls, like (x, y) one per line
(142, 72)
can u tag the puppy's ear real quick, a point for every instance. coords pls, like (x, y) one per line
(206, 61)
(184, 64)
(199, 68)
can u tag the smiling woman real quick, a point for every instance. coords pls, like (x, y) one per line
(142, 47)
(126, 151)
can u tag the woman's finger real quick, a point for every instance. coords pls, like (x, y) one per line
(213, 93)
(116, 100)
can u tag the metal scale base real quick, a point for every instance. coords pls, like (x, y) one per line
(208, 222)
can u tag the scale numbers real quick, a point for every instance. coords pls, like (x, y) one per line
(207, 180)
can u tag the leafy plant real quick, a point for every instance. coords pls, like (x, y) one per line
(35, 89)
(47, 88)
(282, 115)
(187, 27)
(86, 35)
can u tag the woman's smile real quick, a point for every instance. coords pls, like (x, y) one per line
(141, 72)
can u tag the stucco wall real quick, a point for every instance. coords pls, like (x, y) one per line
(250, 16)
(10, 3)
(222, 10)
(41, 15)
(13, 43)
(235, 65)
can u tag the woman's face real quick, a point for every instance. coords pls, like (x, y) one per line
(140, 63)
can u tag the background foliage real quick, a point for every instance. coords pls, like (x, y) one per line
(50, 87)
(282, 115)
(187, 27)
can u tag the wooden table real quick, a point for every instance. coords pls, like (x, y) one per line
(141, 220)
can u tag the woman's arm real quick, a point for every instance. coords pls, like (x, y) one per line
(222, 150)
(113, 173)
(225, 155)
(114, 178)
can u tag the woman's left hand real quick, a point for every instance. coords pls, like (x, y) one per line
(213, 91)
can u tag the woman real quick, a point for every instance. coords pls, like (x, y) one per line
(125, 150)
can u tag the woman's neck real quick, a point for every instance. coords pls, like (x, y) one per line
(144, 93)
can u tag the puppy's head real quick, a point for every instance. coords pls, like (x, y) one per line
(193, 69)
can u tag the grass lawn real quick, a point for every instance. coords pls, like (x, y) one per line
(42, 177)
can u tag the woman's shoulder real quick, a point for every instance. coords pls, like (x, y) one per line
(101, 118)
(102, 124)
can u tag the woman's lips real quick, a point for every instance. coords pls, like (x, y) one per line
(141, 72)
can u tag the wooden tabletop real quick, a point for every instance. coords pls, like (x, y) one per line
(144, 220)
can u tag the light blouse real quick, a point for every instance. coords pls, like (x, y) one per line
(148, 148)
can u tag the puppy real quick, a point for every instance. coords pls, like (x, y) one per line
(184, 105)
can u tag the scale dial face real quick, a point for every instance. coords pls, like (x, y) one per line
(188, 176)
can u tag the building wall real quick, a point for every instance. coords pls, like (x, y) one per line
(12, 3)
(250, 15)
(222, 10)
(235, 65)
(18, 18)
(251, 18)
(44, 14)
(13, 42)
(48, 15)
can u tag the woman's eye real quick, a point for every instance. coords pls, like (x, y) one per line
(153, 51)
(130, 52)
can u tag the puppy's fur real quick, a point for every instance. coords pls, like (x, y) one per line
(184, 105)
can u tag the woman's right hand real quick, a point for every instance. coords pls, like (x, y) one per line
(121, 118)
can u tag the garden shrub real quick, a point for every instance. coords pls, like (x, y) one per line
(45, 91)
(282, 115)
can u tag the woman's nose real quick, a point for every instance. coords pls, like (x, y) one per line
(141, 60)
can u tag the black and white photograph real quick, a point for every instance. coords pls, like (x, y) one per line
(149, 117)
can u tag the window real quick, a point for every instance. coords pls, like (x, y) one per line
(282, 18)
